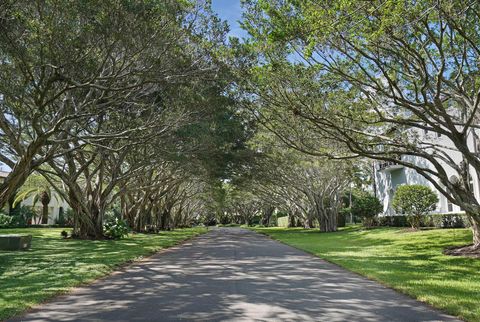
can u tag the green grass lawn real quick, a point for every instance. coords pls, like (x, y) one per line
(411, 262)
(54, 265)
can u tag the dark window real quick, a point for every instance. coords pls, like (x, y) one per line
(449, 206)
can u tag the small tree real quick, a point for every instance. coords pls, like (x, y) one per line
(40, 190)
(367, 207)
(415, 201)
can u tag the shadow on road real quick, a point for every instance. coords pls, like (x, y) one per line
(234, 274)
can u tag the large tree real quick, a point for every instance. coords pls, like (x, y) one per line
(103, 93)
(63, 63)
(308, 188)
(389, 80)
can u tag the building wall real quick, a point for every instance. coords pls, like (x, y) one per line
(388, 180)
(56, 203)
(54, 207)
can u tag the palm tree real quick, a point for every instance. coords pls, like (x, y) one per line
(37, 187)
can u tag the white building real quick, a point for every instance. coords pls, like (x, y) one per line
(56, 206)
(390, 175)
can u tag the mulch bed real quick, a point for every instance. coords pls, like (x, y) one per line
(468, 251)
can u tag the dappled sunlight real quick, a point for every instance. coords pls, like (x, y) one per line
(234, 275)
(410, 261)
(55, 265)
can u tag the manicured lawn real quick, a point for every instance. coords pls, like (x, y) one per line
(54, 265)
(411, 262)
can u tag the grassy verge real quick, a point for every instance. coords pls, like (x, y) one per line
(411, 262)
(54, 265)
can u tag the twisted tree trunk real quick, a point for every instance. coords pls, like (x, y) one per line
(475, 222)
(267, 214)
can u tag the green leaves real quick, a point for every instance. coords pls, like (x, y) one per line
(115, 228)
(415, 200)
(366, 206)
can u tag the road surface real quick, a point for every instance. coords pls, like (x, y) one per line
(232, 274)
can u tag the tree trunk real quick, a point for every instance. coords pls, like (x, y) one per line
(45, 200)
(164, 219)
(11, 208)
(20, 172)
(475, 221)
(86, 223)
(291, 221)
(310, 223)
(267, 214)
(91, 227)
(44, 213)
(327, 220)
(11, 184)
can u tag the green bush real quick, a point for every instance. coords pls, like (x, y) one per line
(415, 201)
(282, 221)
(69, 215)
(21, 216)
(5, 220)
(393, 221)
(432, 220)
(65, 218)
(115, 228)
(64, 234)
(450, 220)
(256, 220)
(367, 207)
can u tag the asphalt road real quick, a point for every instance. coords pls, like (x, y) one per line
(235, 275)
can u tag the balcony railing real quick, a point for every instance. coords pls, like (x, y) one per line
(388, 165)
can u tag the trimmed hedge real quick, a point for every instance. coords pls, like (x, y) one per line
(434, 220)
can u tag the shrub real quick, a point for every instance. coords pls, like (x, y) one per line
(115, 228)
(449, 220)
(65, 218)
(69, 216)
(367, 207)
(415, 201)
(5, 220)
(21, 216)
(433, 220)
(64, 234)
(256, 220)
(111, 214)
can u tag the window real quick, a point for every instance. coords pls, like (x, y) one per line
(449, 206)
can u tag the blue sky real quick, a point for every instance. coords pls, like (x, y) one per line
(231, 11)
